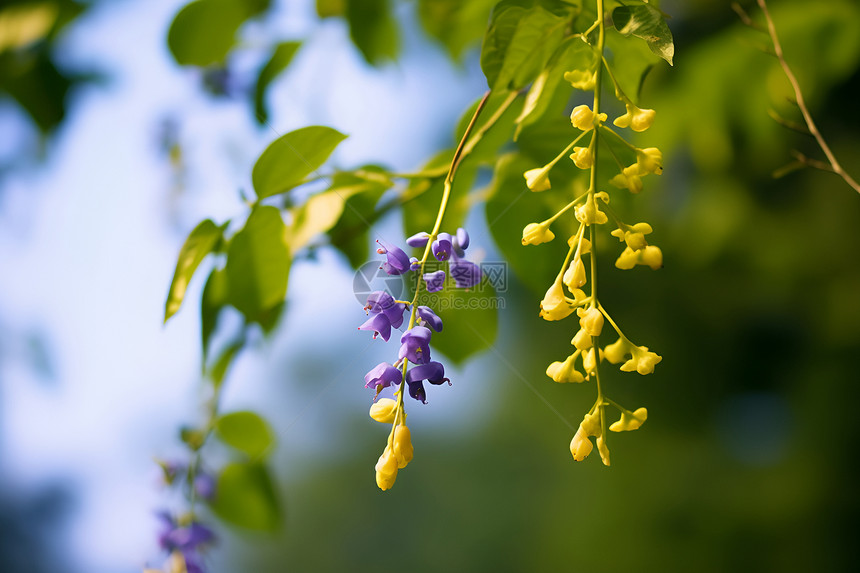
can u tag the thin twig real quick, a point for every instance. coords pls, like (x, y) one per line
(777, 47)
(745, 18)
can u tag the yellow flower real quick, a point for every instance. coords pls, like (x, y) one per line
(634, 236)
(628, 178)
(555, 305)
(583, 118)
(650, 255)
(383, 410)
(584, 244)
(616, 351)
(386, 469)
(589, 214)
(582, 79)
(537, 233)
(589, 360)
(591, 320)
(580, 445)
(604, 451)
(403, 450)
(649, 160)
(574, 277)
(537, 179)
(642, 361)
(582, 340)
(636, 118)
(583, 157)
(630, 420)
(565, 371)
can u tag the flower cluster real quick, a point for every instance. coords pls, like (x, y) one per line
(591, 209)
(413, 366)
(184, 537)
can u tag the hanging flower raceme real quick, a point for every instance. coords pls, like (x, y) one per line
(414, 365)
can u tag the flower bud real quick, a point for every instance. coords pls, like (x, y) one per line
(650, 255)
(636, 118)
(591, 320)
(650, 161)
(642, 361)
(563, 372)
(630, 420)
(403, 450)
(537, 233)
(582, 340)
(589, 214)
(555, 305)
(583, 118)
(386, 469)
(580, 445)
(629, 178)
(589, 360)
(583, 157)
(537, 179)
(574, 277)
(383, 410)
(604, 451)
(582, 79)
(616, 351)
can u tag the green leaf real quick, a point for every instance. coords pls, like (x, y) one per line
(456, 24)
(373, 29)
(317, 215)
(258, 264)
(204, 31)
(202, 241)
(638, 61)
(246, 497)
(470, 318)
(215, 297)
(292, 157)
(223, 363)
(331, 8)
(281, 58)
(572, 54)
(520, 41)
(646, 22)
(245, 431)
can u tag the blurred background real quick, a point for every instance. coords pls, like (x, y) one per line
(111, 152)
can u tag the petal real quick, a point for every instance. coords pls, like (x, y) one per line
(431, 318)
(380, 324)
(418, 240)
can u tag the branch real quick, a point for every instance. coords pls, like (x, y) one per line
(777, 47)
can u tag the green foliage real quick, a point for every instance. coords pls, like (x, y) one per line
(373, 29)
(245, 497)
(456, 24)
(204, 31)
(292, 157)
(281, 57)
(522, 37)
(247, 432)
(203, 240)
(646, 22)
(215, 296)
(471, 319)
(258, 264)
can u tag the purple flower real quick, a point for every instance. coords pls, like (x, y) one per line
(435, 281)
(426, 314)
(397, 261)
(418, 240)
(204, 485)
(465, 273)
(380, 324)
(415, 345)
(383, 376)
(380, 302)
(461, 241)
(443, 246)
(414, 264)
(183, 538)
(416, 390)
(433, 372)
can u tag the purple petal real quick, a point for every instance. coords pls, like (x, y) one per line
(383, 376)
(442, 249)
(433, 372)
(427, 315)
(414, 264)
(435, 281)
(397, 261)
(418, 240)
(380, 324)
(395, 314)
(465, 273)
(462, 239)
(416, 390)
(204, 485)
(415, 345)
(378, 300)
